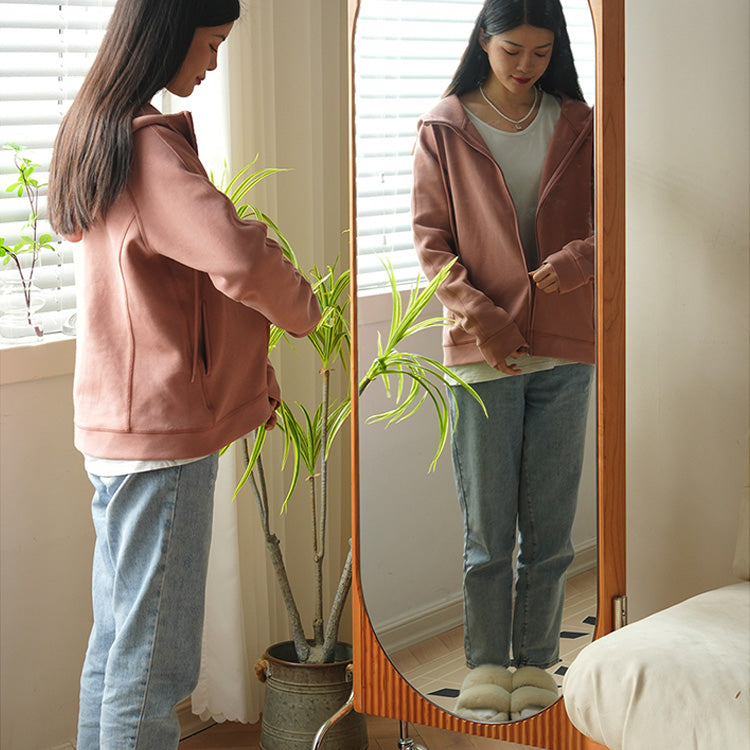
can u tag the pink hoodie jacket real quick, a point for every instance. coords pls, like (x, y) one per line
(175, 298)
(461, 207)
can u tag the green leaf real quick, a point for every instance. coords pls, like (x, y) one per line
(260, 438)
(239, 174)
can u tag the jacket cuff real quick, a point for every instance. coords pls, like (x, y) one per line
(569, 272)
(497, 348)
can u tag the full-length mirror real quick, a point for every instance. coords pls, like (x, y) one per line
(421, 536)
(439, 562)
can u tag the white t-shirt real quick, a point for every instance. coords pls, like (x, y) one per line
(118, 467)
(521, 155)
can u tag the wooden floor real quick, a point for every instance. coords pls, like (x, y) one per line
(383, 735)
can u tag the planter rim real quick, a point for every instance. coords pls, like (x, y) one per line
(324, 665)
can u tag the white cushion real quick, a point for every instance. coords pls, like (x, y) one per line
(679, 679)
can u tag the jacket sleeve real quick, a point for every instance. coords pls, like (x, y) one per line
(189, 220)
(574, 264)
(494, 330)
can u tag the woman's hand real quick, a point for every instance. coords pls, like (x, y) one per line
(545, 278)
(509, 368)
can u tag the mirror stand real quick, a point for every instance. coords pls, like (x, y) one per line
(405, 742)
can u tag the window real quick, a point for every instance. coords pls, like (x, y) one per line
(406, 52)
(46, 49)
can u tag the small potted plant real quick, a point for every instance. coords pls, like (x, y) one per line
(20, 298)
(308, 433)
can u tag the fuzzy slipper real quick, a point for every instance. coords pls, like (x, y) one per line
(533, 691)
(485, 694)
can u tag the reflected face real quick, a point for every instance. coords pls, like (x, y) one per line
(200, 58)
(519, 57)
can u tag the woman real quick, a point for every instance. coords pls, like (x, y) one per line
(176, 298)
(503, 181)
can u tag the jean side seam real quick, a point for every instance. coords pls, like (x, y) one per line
(162, 571)
(458, 468)
(532, 542)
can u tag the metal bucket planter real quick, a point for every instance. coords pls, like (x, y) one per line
(300, 698)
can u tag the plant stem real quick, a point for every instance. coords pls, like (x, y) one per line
(324, 460)
(365, 382)
(317, 570)
(337, 608)
(277, 559)
(26, 286)
(33, 197)
(320, 541)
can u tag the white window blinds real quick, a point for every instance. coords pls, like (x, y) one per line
(46, 49)
(405, 54)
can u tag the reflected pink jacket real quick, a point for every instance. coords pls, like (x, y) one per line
(176, 299)
(461, 207)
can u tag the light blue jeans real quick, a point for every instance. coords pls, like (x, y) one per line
(153, 533)
(519, 470)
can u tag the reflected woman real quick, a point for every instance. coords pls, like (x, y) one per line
(503, 182)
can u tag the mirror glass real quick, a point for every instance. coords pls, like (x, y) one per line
(411, 525)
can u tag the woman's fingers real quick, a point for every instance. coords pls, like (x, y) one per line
(545, 278)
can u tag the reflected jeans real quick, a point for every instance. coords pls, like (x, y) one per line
(153, 533)
(518, 470)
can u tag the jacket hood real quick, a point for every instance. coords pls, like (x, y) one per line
(181, 122)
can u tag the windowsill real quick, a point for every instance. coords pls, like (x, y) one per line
(51, 358)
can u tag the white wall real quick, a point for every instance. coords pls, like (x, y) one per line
(687, 294)
(46, 544)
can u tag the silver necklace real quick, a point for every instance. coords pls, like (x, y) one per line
(517, 123)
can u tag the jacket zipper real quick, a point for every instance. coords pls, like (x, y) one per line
(560, 168)
(479, 148)
(197, 326)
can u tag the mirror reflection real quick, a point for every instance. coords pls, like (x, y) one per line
(465, 570)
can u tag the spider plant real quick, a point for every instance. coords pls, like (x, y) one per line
(309, 431)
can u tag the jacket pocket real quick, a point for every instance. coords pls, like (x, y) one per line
(204, 342)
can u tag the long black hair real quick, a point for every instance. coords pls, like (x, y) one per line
(143, 48)
(499, 16)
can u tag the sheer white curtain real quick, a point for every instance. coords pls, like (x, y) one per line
(235, 635)
(227, 688)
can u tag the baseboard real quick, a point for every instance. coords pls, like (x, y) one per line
(419, 625)
(190, 724)
(585, 559)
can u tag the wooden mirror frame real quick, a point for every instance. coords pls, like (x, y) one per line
(378, 688)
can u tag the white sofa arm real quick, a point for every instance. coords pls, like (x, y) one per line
(677, 680)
